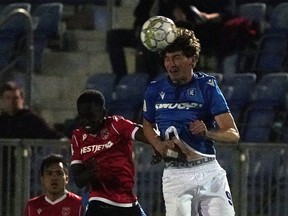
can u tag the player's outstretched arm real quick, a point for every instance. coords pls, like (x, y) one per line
(160, 146)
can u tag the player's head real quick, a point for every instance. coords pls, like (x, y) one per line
(13, 98)
(186, 42)
(54, 175)
(180, 57)
(91, 110)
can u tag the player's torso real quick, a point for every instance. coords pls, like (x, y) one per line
(177, 106)
(66, 207)
(180, 105)
(107, 146)
(112, 152)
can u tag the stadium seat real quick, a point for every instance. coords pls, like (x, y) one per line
(11, 32)
(237, 89)
(129, 95)
(47, 19)
(256, 12)
(103, 82)
(279, 18)
(258, 125)
(271, 91)
(271, 54)
(267, 102)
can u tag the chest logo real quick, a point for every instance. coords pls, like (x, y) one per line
(192, 92)
(104, 134)
(162, 94)
(66, 211)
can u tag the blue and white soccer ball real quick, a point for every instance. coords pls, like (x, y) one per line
(157, 33)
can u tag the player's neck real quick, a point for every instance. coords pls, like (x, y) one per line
(54, 197)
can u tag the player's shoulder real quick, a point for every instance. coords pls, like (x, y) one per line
(78, 132)
(74, 196)
(157, 85)
(116, 119)
(158, 81)
(204, 78)
(199, 75)
(36, 200)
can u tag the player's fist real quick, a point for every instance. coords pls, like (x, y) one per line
(198, 128)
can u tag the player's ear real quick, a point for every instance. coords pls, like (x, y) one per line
(66, 179)
(194, 60)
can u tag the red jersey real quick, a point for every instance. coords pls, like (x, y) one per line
(68, 205)
(112, 150)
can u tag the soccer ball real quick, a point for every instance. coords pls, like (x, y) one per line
(157, 33)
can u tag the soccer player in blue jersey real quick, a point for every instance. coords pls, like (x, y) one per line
(190, 108)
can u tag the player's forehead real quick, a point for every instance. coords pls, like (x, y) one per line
(89, 107)
(173, 54)
(58, 166)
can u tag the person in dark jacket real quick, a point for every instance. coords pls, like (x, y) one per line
(17, 121)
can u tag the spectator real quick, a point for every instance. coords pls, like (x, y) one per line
(118, 39)
(56, 200)
(17, 121)
(208, 18)
(189, 108)
(102, 157)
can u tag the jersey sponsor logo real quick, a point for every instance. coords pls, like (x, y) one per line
(65, 211)
(180, 106)
(104, 134)
(96, 148)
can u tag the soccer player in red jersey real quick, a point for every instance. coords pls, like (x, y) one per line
(102, 157)
(56, 200)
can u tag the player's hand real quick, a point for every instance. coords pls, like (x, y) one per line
(198, 128)
(156, 157)
(163, 146)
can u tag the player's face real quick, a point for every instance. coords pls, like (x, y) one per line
(179, 67)
(13, 101)
(91, 117)
(54, 180)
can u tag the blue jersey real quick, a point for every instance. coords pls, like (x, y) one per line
(172, 107)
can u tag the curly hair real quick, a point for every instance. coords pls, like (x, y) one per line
(186, 42)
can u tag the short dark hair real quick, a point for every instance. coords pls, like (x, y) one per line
(11, 86)
(52, 159)
(89, 96)
(186, 42)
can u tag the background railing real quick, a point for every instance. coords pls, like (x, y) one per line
(257, 173)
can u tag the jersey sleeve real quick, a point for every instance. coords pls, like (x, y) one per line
(213, 94)
(149, 103)
(75, 140)
(125, 127)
